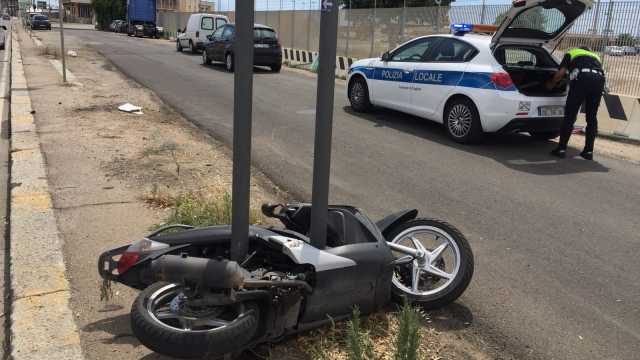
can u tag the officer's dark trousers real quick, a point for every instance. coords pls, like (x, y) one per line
(587, 89)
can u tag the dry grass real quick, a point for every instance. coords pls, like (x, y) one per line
(330, 343)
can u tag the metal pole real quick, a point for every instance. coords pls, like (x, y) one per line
(346, 50)
(482, 13)
(404, 19)
(594, 26)
(293, 25)
(242, 102)
(373, 28)
(64, 63)
(324, 122)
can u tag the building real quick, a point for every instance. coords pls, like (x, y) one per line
(79, 11)
(207, 6)
(189, 6)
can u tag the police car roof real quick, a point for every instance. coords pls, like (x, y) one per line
(477, 39)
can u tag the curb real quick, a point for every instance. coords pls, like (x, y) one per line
(42, 325)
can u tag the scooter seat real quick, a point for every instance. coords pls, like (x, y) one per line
(209, 235)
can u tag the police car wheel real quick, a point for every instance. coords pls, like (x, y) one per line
(359, 95)
(462, 122)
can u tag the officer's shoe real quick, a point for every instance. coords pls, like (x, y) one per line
(560, 153)
(587, 155)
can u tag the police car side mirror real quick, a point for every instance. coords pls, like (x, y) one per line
(385, 56)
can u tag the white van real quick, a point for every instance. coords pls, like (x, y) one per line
(198, 28)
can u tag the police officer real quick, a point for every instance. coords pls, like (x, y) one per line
(586, 84)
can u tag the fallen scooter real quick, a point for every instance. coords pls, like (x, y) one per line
(196, 302)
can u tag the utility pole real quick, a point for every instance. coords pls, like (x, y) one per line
(64, 64)
(482, 13)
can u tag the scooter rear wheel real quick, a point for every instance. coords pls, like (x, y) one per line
(444, 268)
(166, 324)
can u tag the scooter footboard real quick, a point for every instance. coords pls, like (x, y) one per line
(108, 263)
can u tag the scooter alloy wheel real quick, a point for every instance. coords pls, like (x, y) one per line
(444, 265)
(163, 320)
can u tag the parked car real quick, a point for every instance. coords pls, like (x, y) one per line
(117, 25)
(199, 26)
(40, 22)
(30, 17)
(142, 28)
(6, 17)
(267, 49)
(614, 50)
(630, 50)
(475, 83)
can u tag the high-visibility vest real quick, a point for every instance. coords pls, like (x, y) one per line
(575, 52)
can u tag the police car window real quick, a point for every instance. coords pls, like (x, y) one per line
(452, 50)
(207, 23)
(413, 51)
(538, 18)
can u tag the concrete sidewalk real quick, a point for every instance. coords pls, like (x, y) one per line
(42, 325)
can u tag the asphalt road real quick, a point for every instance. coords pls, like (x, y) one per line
(556, 242)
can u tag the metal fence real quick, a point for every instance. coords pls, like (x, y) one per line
(611, 28)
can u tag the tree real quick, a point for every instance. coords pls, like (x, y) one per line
(626, 40)
(108, 10)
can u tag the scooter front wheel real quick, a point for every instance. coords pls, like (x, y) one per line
(163, 320)
(442, 268)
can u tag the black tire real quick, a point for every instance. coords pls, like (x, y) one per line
(460, 282)
(359, 95)
(167, 340)
(205, 59)
(462, 121)
(276, 68)
(228, 62)
(544, 135)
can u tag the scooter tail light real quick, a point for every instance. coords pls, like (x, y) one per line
(501, 79)
(134, 252)
(127, 260)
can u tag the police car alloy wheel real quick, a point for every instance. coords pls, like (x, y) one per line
(462, 121)
(359, 95)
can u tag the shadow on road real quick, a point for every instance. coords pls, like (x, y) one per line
(455, 316)
(516, 151)
(117, 326)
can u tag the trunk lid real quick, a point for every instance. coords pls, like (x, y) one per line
(538, 22)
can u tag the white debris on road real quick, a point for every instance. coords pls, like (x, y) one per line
(130, 108)
(72, 53)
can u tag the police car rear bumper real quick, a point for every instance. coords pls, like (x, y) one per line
(537, 124)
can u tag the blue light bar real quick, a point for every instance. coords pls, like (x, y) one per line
(461, 28)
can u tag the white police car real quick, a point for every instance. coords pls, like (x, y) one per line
(476, 83)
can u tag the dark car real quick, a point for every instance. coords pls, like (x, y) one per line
(142, 28)
(40, 22)
(267, 49)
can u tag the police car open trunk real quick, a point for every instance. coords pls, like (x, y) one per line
(530, 31)
(529, 68)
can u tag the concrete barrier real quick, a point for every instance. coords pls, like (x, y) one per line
(304, 57)
(618, 116)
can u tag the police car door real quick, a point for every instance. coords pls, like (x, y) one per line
(392, 78)
(437, 76)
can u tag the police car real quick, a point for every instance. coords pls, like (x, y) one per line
(478, 79)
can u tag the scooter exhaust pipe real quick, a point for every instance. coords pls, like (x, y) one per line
(211, 273)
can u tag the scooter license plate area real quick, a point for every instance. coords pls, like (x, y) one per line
(108, 263)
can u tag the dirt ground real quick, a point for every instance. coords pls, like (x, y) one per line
(101, 163)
